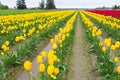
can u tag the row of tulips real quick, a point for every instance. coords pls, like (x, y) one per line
(112, 43)
(24, 49)
(113, 13)
(53, 67)
(18, 28)
(102, 48)
(108, 24)
(109, 41)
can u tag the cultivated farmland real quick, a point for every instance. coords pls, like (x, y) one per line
(53, 44)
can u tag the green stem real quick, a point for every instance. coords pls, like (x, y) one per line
(42, 76)
(48, 77)
(28, 75)
(118, 77)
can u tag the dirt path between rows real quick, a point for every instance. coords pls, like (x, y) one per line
(35, 66)
(81, 61)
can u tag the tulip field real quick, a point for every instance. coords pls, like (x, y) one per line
(113, 13)
(52, 45)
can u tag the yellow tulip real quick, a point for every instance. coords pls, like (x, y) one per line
(103, 49)
(39, 59)
(51, 40)
(63, 37)
(61, 45)
(56, 71)
(37, 31)
(42, 68)
(54, 57)
(116, 59)
(117, 44)
(67, 34)
(24, 30)
(60, 41)
(56, 38)
(54, 46)
(7, 43)
(50, 70)
(118, 69)
(50, 61)
(100, 44)
(27, 65)
(113, 47)
(58, 60)
(2, 53)
(51, 53)
(43, 54)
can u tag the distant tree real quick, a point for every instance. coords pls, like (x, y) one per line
(119, 6)
(50, 4)
(42, 4)
(0, 3)
(2, 6)
(15, 7)
(115, 7)
(103, 7)
(33, 8)
(21, 4)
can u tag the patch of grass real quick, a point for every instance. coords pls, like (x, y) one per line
(14, 12)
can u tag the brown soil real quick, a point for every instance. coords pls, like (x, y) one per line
(82, 67)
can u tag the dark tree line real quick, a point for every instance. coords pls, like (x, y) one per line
(116, 7)
(2, 6)
(49, 5)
